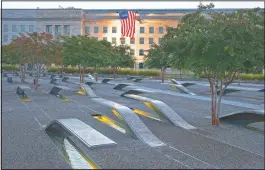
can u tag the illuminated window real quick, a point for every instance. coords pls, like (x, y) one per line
(67, 30)
(123, 41)
(87, 30)
(151, 40)
(31, 28)
(22, 28)
(141, 30)
(5, 28)
(132, 41)
(141, 52)
(96, 29)
(105, 29)
(141, 65)
(14, 28)
(49, 29)
(141, 40)
(151, 30)
(5, 38)
(58, 29)
(114, 29)
(14, 37)
(161, 30)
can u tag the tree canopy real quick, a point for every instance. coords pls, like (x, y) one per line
(219, 45)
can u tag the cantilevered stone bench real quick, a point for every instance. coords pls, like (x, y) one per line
(174, 81)
(88, 90)
(52, 76)
(16, 73)
(55, 80)
(21, 93)
(227, 91)
(262, 90)
(182, 89)
(56, 89)
(133, 123)
(162, 110)
(120, 86)
(4, 74)
(244, 117)
(106, 80)
(132, 77)
(65, 79)
(137, 79)
(9, 79)
(87, 135)
(20, 90)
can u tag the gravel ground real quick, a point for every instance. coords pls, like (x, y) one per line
(26, 145)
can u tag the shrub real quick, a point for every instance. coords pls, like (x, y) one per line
(251, 77)
(123, 71)
(244, 76)
(9, 67)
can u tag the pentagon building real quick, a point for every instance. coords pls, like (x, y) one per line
(104, 24)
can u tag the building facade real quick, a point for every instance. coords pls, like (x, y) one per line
(103, 24)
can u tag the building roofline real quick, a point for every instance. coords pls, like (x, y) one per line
(170, 10)
(177, 9)
(43, 9)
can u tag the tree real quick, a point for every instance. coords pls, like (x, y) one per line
(83, 51)
(17, 52)
(219, 45)
(157, 57)
(120, 57)
(36, 49)
(41, 51)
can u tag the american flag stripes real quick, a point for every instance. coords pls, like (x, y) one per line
(127, 23)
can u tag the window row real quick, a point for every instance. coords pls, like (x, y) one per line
(141, 52)
(20, 28)
(5, 38)
(141, 40)
(58, 29)
(114, 30)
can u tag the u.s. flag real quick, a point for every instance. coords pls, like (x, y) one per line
(127, 23)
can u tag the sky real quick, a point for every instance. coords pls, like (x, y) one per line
(127, 5)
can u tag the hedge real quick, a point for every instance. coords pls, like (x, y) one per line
(8, 67)
(244, 76)
(126, 71)
(122, 71)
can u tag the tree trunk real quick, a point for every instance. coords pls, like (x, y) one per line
(80, 74)
(163, 74)
(219, 103)
(22, 73)
(36, 82)
(62, 70)
(114, 72)
(215, 104)
(83, 74)
(96, 73)
(212, 101)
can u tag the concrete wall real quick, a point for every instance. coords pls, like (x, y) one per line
(39, 18)
(17, 18)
